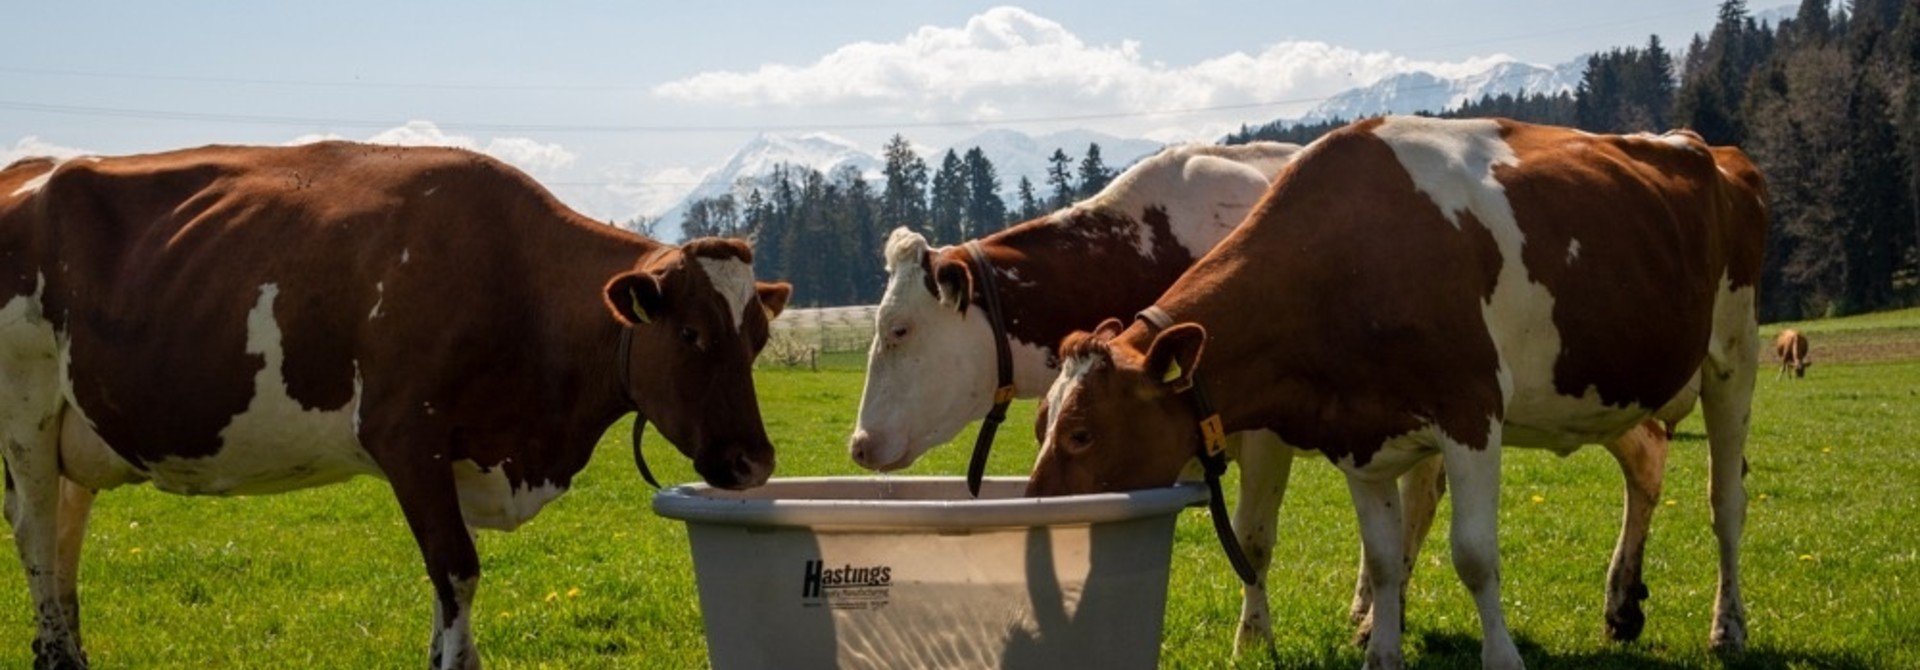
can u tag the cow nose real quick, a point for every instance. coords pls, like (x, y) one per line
(749, 472)
(875, 452)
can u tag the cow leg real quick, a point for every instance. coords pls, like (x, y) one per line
(76, 503)
(1726, 400)
(1642, 454)
(1265, 465)
(34, 468)
(1420, 490)
(1381, 533)
(428, 498)
(1474, 475)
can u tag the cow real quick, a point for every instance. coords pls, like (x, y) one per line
(1411, 286)
(931, 367)
(1791, 348)
(249, 320)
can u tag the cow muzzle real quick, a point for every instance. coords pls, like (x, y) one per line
(878, 453)
(736, 467)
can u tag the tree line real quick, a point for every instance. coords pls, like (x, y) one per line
(824, 232)
(1827, 104)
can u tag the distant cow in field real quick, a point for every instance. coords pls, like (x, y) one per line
(1791, 348)
(1411, 286)
(241, 320)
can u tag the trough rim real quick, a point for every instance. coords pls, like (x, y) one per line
(700, 503)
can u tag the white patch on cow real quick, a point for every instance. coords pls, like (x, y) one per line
(380, 296)
(457, 637)
(489, 500)
(29, 368)
(275, 444)
(1206, 191)
(1573, 251)
(732, 278)
(403, 255)
(1073, 371)
(1452, 162)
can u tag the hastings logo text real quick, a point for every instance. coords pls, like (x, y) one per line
(845, 587)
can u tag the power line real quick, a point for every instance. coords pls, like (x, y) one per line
(325, 122)
(199, 79)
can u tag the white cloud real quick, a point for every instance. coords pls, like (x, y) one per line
(31, 146)
(1008, 62)
(535, 157)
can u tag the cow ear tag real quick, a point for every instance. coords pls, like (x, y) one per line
(638, 311)
(1173, 372)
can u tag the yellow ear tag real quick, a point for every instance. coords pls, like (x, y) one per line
(1173, 372)
(638, 311)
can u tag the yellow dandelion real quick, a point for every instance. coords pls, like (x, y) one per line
(1537, 498)
(134, 550)
(1826, 450)
(1671, 502)
(574, 592)
(505, 614)
(1763, 496)
(1806, 557)
(552, 596)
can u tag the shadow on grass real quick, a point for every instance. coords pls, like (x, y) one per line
(1436, 651)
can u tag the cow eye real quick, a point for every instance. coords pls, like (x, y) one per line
(898, 332)
(690, 336)
(1079, 438)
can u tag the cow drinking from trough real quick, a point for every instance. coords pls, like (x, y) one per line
(932, 366)
(233, 320)
(1445, 286)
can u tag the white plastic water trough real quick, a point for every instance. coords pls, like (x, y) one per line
(911, 572)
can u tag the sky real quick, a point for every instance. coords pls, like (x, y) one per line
(621, 106)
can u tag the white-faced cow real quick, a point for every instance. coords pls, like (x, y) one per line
(1412, 286)
(1791, 348)
(235, 320)
(932, 367)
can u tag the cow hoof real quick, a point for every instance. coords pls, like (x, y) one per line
(1729, 634)
(1626, 624)
(1625, 619)
(57, 657)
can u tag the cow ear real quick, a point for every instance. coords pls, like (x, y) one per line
(1109, 329)
(773, 297)
(635, 297)
(955, 283)
(1175, 354)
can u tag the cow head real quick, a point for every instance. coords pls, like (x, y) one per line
(930, 369)
(698, 320)
(1115, 419)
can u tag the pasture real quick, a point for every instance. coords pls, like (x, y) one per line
(330, 578)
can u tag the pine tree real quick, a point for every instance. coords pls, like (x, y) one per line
(904, 200)
(1060, 177)
(986, 212)
(1094, 173)
(1029, 205)
(947, 204)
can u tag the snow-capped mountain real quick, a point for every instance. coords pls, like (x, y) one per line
(1016, 154)
(1424, 91)
(820, 151)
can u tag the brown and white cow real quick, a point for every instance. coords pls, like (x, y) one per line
(1791, 348)
(242, 320)
(1446, 286)
(931, 368)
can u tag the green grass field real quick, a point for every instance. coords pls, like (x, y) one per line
(329, 578)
